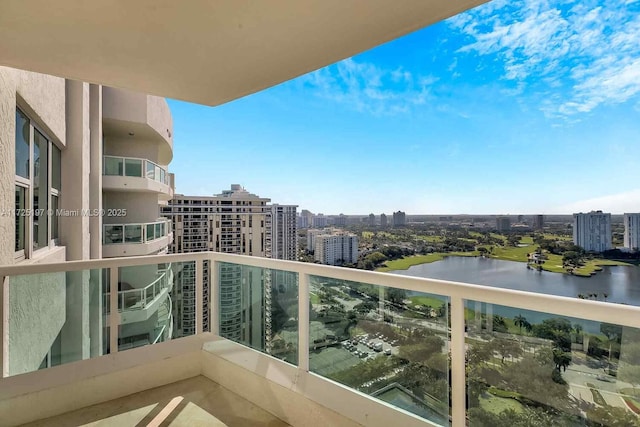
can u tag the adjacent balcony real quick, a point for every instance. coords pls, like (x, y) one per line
(315, 345)
(137, 175)
(135, 239)
(136, 117)
(137, 304)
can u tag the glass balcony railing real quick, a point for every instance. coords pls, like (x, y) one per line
(134, 233)
(134, 167)
(442, 352)
(140, 298)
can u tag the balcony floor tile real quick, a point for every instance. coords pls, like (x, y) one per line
(193, 402)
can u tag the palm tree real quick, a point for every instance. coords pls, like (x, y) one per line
(520, 321)
(605, 296)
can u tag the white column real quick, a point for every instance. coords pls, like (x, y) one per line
(303, 322)
(95, 174)
(74, 229)
(458, 374)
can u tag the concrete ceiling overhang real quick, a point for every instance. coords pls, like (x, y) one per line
(203, 51)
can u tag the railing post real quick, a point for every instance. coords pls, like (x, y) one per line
(458, 368)
(303, 322)
(214, 296)
(4, 318)
(114, 314)
(199, 294)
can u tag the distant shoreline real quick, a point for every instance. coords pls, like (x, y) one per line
(588, 270)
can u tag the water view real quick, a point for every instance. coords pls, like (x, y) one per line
(619, 284)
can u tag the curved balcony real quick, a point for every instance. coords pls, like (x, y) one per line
(136, 115)
(135, 239)
(164, 327)
(137, 305)
(135, 174)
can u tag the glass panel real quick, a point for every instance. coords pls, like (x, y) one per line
(21, 205)
(151, 232)
(162, 176)
(158, 230)
(54, 217)
(150, 169)
(112, 234)
(133, 233)
(259, 308)
(56, 165)
(55, 318)
(113, 166)
(146, 301)
(22, 145)
(157, 173)
(40, 191)
(389, 343)
(133, 167)
(532, 368)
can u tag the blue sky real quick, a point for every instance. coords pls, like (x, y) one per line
(514, 107)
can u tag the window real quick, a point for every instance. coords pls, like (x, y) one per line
(37, 186)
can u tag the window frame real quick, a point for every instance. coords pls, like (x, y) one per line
(28, 183)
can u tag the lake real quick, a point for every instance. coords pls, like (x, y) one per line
(621, 284)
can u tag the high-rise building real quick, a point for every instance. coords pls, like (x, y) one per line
(632, 231)
(538, 222)
(311, 238)
(372, 219)
(91, 166)
(592, 231)
(340, 220)
(234, 221)
(383, 220)
(305, 219)
(503, 224)
(319, 221)
(284, 232)
(399, 219)
(336, 249)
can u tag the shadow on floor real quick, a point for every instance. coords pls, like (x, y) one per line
(196, 401)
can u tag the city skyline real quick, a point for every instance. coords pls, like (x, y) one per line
(530, 112)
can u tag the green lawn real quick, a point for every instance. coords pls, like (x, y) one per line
(526, 240)
(496, 405)
(315, 299)
(406, 262)
(556, 237)
(554, 265)
(512, 253)
(430, 301)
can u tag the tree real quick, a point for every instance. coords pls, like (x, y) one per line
(505, 347)
(561, 358)
(521, 321)
(396, 296)
(613, 332)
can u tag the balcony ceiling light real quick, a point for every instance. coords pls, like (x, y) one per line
(204, 51)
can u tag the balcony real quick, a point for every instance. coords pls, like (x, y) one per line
(137, 175)
(128, 115)
(138, 304)
(135, 239)
(338, 347)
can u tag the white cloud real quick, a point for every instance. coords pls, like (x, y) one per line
(369, 88)
(628, 201)
(588, 51)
